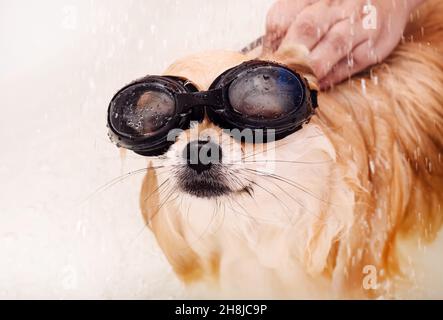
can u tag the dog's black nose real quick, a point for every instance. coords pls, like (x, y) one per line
(200, 155)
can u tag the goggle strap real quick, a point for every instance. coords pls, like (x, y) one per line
(211, 98)
(314, 98)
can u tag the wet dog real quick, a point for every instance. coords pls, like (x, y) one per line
(319, 213)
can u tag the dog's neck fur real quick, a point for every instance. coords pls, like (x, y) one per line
(378, 178)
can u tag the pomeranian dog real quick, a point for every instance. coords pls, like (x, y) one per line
(318, 213)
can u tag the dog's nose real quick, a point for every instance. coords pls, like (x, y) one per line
(200, 155)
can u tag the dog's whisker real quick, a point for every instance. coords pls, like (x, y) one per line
(157, 190)
(206, 229)
(235, 211)
(296, 200)
(146, 224)
(244, 209)
(236, 179)
(253, 154)
(268, 191)
(114, 181)
(286, 209)
(247, 214)
(165, 201)
(289, 182)
(284, 161)
(220, 213)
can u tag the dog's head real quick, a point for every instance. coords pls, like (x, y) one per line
(206, 162)
(313, 209)
(209, 188)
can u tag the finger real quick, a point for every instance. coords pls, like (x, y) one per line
(362, 57)
(278, 20)
(336, 45)
(270, 42)
(312, 24)
(341, 71)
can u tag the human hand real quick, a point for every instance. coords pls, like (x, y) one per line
(344, 36)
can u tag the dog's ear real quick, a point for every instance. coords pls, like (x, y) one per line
(296, 57)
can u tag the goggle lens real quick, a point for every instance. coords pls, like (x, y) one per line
(141, 110)
(266, 93)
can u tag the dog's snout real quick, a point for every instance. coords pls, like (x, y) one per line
(200, 155)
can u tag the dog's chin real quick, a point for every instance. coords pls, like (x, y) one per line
(210, 184)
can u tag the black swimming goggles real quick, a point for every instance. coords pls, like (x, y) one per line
(259, 96)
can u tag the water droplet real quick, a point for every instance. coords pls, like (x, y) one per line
(372, 166)
(153, 28)
(375, 80)
(363, 86)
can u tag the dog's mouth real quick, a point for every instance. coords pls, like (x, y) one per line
(208, 184)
